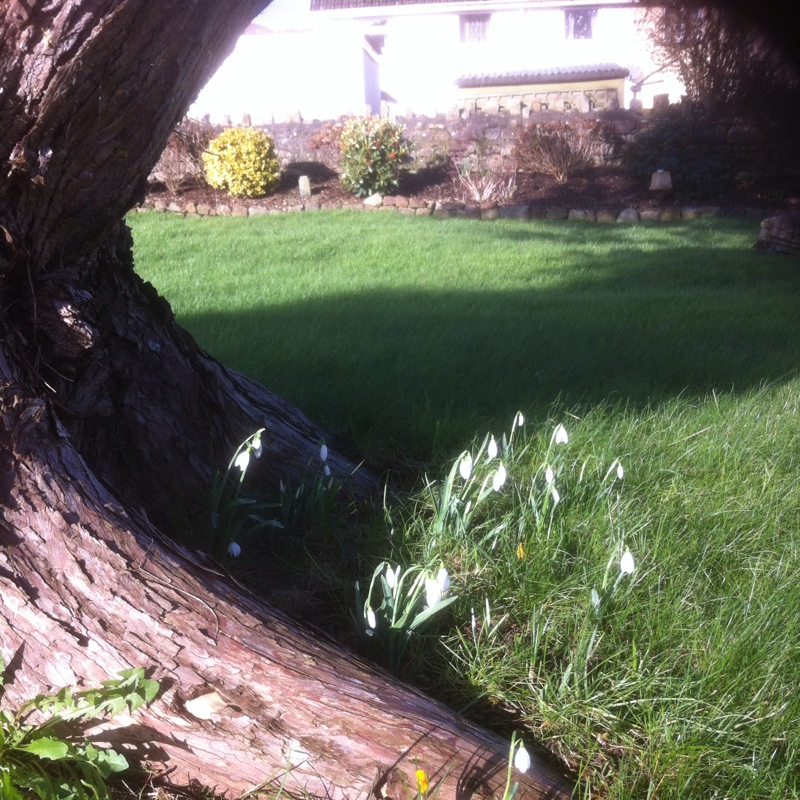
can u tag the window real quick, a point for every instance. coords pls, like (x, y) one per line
(474, 27)
(578, 23)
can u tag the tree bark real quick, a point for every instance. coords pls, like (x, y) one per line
(112, 422)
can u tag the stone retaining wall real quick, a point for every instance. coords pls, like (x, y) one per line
(747, 144)
(403, 205)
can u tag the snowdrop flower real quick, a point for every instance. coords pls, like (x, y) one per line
(499, 478)
(326, 470)
(626, 563)
(548, 474)
(491, 450)
(256, 447)
(443, 579)
(620, 472)
(234, 550)
(323, 453)
(560, 435)
(556, 496)
(371, 621)
(465, 466)
(522, 759)
(433, 593)
(519, 421)
(242, 460)
(392, 575)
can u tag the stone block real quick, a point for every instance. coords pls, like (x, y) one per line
(401, 202)
(203, 209)
(374, 200)
(406, 210)
(425, 211)
(581, 213)
(556, 212)
(224, 211)
(490, 213)
(304, 185)
(175, 208)
(628, 215)
(256, 211)
(159, 205)
(312, 205)
(390, 200)
(605, 215)
(442, 213)
(650, 215)
(669, 214)
(521, 212)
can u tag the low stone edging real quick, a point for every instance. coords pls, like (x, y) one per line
(438, 209)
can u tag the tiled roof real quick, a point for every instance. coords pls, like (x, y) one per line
(589, 72)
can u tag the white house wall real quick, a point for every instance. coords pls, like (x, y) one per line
(322, 72)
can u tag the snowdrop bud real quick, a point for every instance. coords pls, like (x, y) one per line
(326, 470)
(371, 621)
(522, 759)
(519, 421)
(620, 472)
(433, 592)
(256, 447)
(626, 563)
(548, 475)
(499, 478)
(242, 460)
(443, 580)
(560, 435)
(556, 496)
(491, 451)
(234, 550)
(392, 576)
(323, 453)
(465, 466)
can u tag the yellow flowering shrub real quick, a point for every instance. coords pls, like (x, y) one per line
(242, 162)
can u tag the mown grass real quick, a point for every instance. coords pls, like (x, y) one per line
(668, 350)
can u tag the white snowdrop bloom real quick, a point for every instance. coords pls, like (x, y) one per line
(433, 592)
(242, 460)
(326, 470)
(560, 435)
(234, 550)
(392, 575)
(626, 563)
(323, 453)
(499, 478)
(371, 621)
(256, 446)
(491, 450)
(465, 466)
(620, 472)
(443, 580)
(519, 421)
(522, 759)
(556, 496)
(548, 474)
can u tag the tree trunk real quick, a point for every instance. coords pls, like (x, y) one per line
(112, 422)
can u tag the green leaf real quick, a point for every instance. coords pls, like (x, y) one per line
(54, 749)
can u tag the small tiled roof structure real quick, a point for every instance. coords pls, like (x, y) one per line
(589, 72)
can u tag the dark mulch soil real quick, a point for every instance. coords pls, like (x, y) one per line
(600, 187)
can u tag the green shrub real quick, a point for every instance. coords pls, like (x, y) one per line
(372, 156)
(559, 148)
(242, 161)
(686, 147)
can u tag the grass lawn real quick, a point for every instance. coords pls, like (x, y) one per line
(669, 354)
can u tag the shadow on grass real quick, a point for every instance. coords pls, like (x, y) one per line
(416, 371)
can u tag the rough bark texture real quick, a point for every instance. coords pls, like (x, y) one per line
(111, 420)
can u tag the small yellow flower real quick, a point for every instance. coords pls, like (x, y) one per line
(422, 782)
(520, 551)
